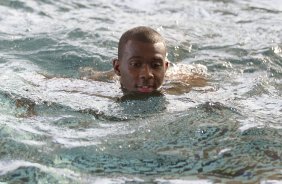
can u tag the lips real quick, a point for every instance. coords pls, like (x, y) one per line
(145, 89)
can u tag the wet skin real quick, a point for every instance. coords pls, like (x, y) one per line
(142, 66)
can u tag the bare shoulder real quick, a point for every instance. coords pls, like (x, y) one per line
(92, 74)
(187, 73)
(181, 78)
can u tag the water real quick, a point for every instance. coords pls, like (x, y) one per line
(67, 130)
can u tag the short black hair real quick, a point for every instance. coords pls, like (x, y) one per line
(140, 33)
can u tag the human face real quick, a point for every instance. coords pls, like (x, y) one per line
(142, 66)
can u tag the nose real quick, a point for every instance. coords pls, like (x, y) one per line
(146, 72)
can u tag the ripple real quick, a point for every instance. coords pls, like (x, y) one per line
(27, 45)
(16, 4)
(23, 171)
(57, 128)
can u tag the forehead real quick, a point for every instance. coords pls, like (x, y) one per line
(139, 47)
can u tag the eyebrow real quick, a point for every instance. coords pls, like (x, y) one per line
(155, 58)
(135, 57)
(158, 58)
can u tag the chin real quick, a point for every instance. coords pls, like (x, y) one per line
(135, 95)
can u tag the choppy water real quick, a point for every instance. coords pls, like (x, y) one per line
(68, 130)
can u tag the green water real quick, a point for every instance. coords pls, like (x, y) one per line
(69, 130)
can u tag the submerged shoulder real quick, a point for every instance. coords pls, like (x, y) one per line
(93, 74)
(186, 72)
(182, 78)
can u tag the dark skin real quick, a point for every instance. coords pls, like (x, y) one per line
(141, 67)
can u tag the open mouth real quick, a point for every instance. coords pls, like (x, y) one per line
(145, 89)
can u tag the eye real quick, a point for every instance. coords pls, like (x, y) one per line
(136, 64)
(156, 65)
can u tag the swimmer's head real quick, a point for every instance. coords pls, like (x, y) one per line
(142, 34)
(142, 61)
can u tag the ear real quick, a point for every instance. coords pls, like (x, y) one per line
(116, 65)
(166, 64)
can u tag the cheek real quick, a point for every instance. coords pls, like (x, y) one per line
(129, 73)
(128, 78)
(161, 75)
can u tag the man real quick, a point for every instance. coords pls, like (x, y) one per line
(142, 66)
(141, 62)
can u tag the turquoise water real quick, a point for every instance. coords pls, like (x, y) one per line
(65, 129)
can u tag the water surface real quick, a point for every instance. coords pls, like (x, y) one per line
(65, 129)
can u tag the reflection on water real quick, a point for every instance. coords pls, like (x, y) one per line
(58, 126)
(137, 105)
